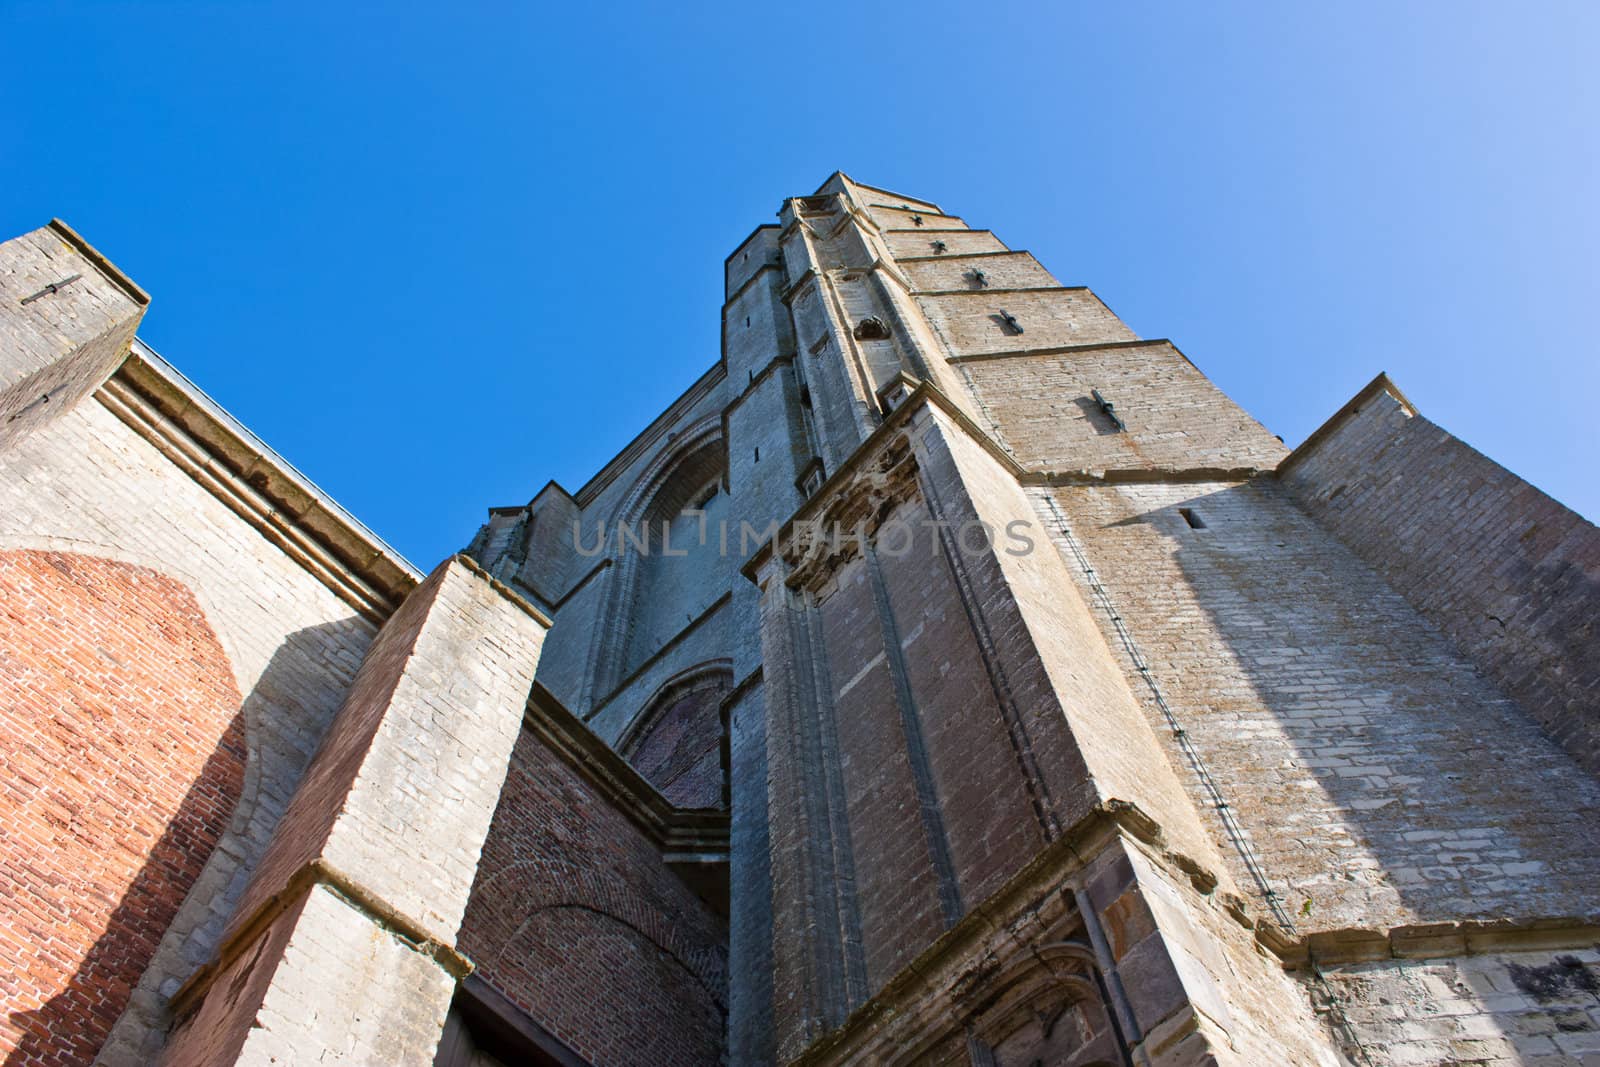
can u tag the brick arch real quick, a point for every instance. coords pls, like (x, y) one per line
(612, 993)
(119, 714)
(541, 885)
(676, 740)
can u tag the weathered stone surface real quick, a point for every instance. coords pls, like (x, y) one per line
(1512, 576)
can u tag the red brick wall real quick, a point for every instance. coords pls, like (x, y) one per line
(124, 759)
(575, 918)
(678, 744)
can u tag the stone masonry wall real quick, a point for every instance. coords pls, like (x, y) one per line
(1382, 780)
(70, 317)
(971, 323)
(89, 485)
(1511, 575)
(1002, 270)
(1522, 1009)
(1042, 408)
(916, 243)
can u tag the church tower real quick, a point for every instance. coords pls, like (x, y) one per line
(1070, 717)
(947, 676)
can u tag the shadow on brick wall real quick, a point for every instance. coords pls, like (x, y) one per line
(72, 1027)
(1383, 778)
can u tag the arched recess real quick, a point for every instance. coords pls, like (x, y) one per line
(603, 978)
(120, 720)
(664, 544)
(1050, 1007)
(577, 945)
(676, 739)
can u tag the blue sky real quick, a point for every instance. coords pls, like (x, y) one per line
(437, 256)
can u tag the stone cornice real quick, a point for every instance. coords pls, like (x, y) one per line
(162, 406)
(931, 229)
(998, 292)
(1133, 475)
(971, 255)
(1065, 350)
(1467, 937)
(100, 262)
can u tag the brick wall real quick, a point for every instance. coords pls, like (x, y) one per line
(124, 755)
(971, 323)
(914, 243)
(677, 741)
(1381, 778)
(1511, 575)
(1043, 409)
(575, 918)
(88, 484)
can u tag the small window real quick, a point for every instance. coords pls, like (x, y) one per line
(1192, 517)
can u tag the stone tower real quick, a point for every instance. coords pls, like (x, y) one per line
(948, 676)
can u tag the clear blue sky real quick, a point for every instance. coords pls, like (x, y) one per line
(438, 256)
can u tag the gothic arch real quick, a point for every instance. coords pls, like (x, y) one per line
(676, 739)
(1025, 1005)
(697, 458)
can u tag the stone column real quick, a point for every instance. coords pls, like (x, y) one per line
(343, 948)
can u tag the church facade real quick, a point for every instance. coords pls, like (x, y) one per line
(948, 676)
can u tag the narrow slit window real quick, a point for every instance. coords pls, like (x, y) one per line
(1192, 517)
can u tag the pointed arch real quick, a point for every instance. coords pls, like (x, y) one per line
(627, 632)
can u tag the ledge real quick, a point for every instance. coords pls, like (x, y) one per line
(1061, 350)
(998, 292)
(299, 885)
(674, 830)
(971, 255)
(935, 229)
(158, 403)
(1470, 937)
(1133, 475)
